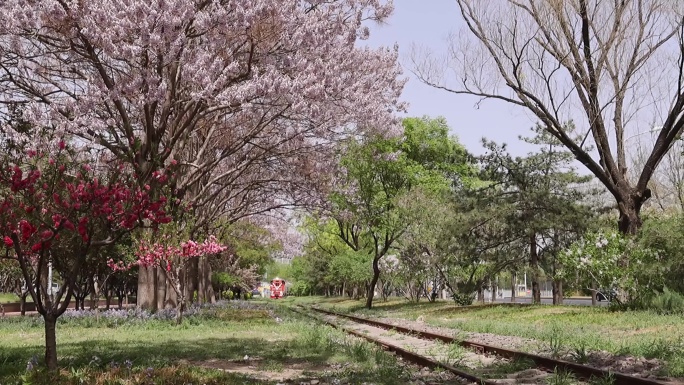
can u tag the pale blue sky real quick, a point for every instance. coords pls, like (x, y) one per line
(428, 22)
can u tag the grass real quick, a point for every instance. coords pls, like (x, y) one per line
(576, 330)
(105, 351)
(561, 377)
(505, 367)
(8, 297)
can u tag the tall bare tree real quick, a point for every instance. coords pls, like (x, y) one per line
(667, 183)
(611, 66)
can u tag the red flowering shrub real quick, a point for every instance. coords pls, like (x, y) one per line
(56, 209)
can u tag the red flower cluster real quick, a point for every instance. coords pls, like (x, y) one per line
(49, 197)
(159, 254)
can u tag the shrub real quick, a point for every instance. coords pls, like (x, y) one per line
(462, 299)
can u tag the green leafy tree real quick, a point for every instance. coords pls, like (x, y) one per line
(350, 270)
(253, 244)
(546, 196)
(378, 171)
(477, 242)
(331, 264)
(426, 213)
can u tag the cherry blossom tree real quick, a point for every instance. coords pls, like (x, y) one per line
(241, 94)
(53, 210)
(249, 98)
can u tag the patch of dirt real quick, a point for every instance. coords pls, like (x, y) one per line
(255, 367)
(634, 366)
(305, 373)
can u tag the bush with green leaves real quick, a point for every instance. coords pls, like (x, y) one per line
(300, 288)
(666, 235)
(462, 299)
(228, 294)
(614, 261)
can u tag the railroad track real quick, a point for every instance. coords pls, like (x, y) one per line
(408, 355)
(548, 364)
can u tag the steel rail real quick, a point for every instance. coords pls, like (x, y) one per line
(582, 371)
(405, 354)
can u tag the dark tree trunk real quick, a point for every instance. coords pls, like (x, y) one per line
(494, 290)
(593, 294)
(557, 291)
(480, 293)
(50, 342)
(534, 265)
(630, 212)
(108, 297)
(22, 303)
(514, 285)
(373, 282)
(191, 279)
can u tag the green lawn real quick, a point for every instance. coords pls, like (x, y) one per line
(8, 297)
(135, 351)
(638, 333)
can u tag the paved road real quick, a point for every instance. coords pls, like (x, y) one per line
(567, 301)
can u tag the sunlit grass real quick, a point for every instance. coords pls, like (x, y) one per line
(143, 351)
(8, 297)
(558, 328)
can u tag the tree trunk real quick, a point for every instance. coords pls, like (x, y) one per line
(513, 287)
(146, 289)
(160, 285)
(557, 287)
(494, 291)
(211, 295)
(593, 294)
(22, 303)
(534, 265)
(126, 296)
(50, 342)
(373, 282)
(180, 306)
(94, 295)
(108, 297)
(205, 292)
(201, 281)
(480, 294)
(630, 215)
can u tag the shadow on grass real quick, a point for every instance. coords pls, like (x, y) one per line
(381, 306)
(520, 308)
(145, 354)
(441, 307)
